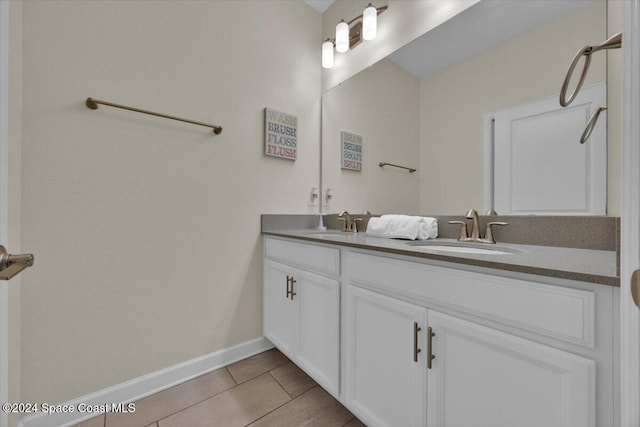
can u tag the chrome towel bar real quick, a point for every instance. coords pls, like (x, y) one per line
(93, 104)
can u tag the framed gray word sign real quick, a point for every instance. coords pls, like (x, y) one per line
(351, 149)
(280, 134)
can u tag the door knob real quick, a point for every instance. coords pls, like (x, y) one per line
(10, 265)
(635, 287)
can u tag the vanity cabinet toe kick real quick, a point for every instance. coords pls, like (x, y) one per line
(402, 342)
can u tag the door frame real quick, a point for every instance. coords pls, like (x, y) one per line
(4, 175)
(630, 218)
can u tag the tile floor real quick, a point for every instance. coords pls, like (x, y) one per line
(263, 390)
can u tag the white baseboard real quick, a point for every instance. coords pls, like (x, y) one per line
(148, 384)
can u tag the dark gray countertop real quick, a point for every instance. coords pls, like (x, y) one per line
(587, 265)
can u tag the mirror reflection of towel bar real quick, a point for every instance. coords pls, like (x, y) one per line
(381, 164)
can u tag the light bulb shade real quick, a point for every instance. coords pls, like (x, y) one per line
(327, 54)
(342, 37)
(369, 23)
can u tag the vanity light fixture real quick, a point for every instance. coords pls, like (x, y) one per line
(350, 34)
(369, 22)
(342, 37)
(327, 54)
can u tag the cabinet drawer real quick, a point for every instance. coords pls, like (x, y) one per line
(562, 313)
(309, 257)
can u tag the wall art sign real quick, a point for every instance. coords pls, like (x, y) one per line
(351, 149)
(280, 134)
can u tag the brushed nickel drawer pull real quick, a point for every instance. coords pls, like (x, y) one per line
(416, 350)
(290, 282)
(293, 282)
(430, 356)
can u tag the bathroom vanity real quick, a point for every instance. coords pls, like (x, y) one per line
(406, 335)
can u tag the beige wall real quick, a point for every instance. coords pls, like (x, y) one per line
(146, 231)
(401, 23)
(15, 203)
(453, 103)
(386, 115)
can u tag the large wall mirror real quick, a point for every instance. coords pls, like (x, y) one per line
(427, 107)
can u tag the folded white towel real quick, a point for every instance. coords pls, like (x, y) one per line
(403, 227)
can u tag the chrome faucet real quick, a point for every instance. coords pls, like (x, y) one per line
(349, 225)
(475, 229)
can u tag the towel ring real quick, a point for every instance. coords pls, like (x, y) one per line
(613, 42)
(587, 62)
(591, 124)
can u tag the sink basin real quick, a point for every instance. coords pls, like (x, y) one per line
(462, 248)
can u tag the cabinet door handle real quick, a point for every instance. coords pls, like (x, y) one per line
(293, 281)
(416, 350)
(430, 356)
(290, 282)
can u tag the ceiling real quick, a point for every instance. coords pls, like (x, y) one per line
(482, 26)
(319, 5)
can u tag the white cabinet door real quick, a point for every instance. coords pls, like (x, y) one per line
(304, 323)
(278, 316)
(318, 320)
(384, 386)
(482, 377)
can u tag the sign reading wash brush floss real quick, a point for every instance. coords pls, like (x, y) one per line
(351, 149)
(280, 134)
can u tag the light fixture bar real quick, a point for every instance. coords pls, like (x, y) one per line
(350, 34)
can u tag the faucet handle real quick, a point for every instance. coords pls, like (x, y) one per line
(354, 224)
(463, 229)
(488, 232)
(491, 212)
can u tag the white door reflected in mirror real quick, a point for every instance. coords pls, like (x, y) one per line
(539, 165)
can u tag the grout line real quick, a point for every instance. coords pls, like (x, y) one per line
(217, 394)
(286, 360)
(197, 403)
(281, 386)
(284, 404)
(189, 406)
(236, 384)
(231, 375)
(351, 419)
